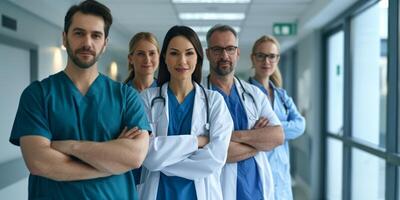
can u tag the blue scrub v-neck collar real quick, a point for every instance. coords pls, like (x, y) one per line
(92, 88)
(259, 85)
(174, 100)
(233, 90)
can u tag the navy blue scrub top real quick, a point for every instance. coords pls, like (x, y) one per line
(249, 185)
(55, 109)
(180, 123)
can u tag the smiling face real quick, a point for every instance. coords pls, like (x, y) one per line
(144, 58)
(180, 58)
(262, 59)
(85, 40)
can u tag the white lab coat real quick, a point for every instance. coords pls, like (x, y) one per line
(179, 155)
(254, 112)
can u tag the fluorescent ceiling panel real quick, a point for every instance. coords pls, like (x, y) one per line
(201, 29)
(211, 1)
(211, 16)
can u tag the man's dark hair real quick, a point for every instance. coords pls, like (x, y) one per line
(89, 7)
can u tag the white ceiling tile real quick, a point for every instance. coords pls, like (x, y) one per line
(157, 16)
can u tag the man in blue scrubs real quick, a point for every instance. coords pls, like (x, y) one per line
(81, 133)
(256, 127)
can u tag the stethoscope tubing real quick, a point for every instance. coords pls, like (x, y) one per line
(244, 91)
(161, 98)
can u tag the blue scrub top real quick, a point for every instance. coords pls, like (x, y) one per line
(54, 108)
(137, 172)
(249, 185)
(180, 123)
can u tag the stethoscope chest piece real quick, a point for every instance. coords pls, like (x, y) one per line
(207, 126)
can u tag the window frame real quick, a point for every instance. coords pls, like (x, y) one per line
(391, 153)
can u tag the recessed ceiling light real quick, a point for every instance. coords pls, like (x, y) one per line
(211, 16)
(201, 29)
(211, 1)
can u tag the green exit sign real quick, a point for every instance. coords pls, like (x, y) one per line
(284, 29)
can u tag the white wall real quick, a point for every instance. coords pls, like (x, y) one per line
(48, 37)
(37, 31)
(309, 99)
(14, 73)
(16, 191)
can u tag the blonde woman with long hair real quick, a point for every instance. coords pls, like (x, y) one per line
(143, 58)
(265, 58)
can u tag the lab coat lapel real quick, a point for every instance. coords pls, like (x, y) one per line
(199, 111)
(164, 116)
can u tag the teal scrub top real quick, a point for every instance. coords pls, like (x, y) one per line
(154, 84)
(180, 123)
(54, 108)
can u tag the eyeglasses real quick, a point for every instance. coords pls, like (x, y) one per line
(230, 50)
(271, 57)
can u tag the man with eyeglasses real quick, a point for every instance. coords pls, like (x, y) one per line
(247, 173)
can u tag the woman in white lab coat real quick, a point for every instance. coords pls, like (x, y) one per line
(191, 126)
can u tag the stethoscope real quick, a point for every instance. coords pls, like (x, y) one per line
(285, 106)
(160, 98)
(244, 91)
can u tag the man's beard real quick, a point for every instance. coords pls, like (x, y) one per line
(77, 61)
(223, 71)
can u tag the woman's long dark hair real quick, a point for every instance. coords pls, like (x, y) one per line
(188, 33)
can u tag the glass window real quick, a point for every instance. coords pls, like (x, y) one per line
(369, 62)
(368, 176)
(335, 82)
(334, 169)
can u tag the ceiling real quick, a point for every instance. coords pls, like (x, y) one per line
(157, 16)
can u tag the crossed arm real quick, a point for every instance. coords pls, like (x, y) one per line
(247, 143)
(69, 160)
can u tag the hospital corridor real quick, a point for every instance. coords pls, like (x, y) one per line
(321, 77)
